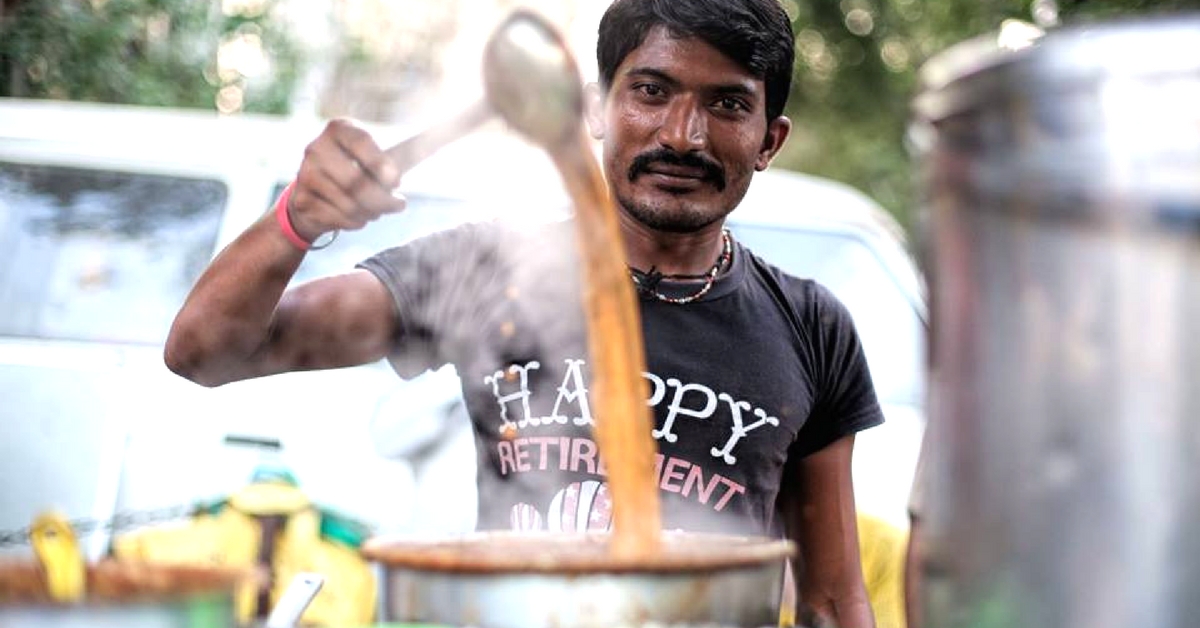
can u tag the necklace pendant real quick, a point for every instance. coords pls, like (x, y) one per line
(710, 277)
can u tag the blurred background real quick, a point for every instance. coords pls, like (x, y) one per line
(108, 215)
(388, 61)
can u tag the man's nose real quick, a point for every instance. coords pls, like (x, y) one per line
(684, 128)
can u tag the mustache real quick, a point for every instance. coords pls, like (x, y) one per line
(713, 172)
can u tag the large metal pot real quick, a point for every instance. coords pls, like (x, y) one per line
(122, 594)
(1062, 184)
(516, 580)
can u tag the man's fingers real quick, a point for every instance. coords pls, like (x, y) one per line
(336, 201)
(327, 206)
(398, 203)
(318, 214)
(367, 174)
(369, 157)
(373, 198)
(361, 191)
(343, 168)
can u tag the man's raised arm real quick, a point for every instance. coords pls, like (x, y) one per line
(238, 322)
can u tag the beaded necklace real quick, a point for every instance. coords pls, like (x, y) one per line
(647, 282)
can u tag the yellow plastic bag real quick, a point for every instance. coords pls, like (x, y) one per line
(882, 547)
(348, 596)
(231, 534)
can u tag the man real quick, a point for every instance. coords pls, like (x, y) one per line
(756, 378)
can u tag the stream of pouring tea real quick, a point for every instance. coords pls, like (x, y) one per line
(623, 421)
(526, 50)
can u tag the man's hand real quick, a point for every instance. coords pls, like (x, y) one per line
(345, 181)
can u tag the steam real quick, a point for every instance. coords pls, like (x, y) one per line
(508, 312)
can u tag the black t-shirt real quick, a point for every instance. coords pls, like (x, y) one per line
(764, 367)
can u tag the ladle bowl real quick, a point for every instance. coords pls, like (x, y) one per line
(531, 79)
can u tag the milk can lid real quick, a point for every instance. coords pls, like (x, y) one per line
(1016, 58)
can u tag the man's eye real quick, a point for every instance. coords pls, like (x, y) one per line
(731, 104)
(649, 89)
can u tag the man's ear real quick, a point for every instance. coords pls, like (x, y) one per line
(593, 109)
(777, 133)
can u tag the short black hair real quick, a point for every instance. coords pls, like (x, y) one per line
(757, 34)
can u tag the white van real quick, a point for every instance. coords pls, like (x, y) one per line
(108, 214)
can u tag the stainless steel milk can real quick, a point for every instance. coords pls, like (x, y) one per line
(1061, 192)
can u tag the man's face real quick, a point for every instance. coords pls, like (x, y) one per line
(684, 129)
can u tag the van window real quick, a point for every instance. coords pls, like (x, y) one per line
(98, 255)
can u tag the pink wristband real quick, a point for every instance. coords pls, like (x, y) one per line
(285, 223)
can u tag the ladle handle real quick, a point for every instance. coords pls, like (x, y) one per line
(419, 147)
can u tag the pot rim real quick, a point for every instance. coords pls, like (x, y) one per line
(114, 581)
(508, 552)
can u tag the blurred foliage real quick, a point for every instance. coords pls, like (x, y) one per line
(855, 75)
(856, 67)
(147, 52)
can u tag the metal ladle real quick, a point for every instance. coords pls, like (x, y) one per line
(532, 81)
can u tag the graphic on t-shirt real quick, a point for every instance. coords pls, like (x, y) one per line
(527, 447)
(578, 507)
(525, 518)
(687, 400)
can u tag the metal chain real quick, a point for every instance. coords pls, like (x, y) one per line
(120, 522)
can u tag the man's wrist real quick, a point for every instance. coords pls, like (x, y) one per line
(283, 217)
